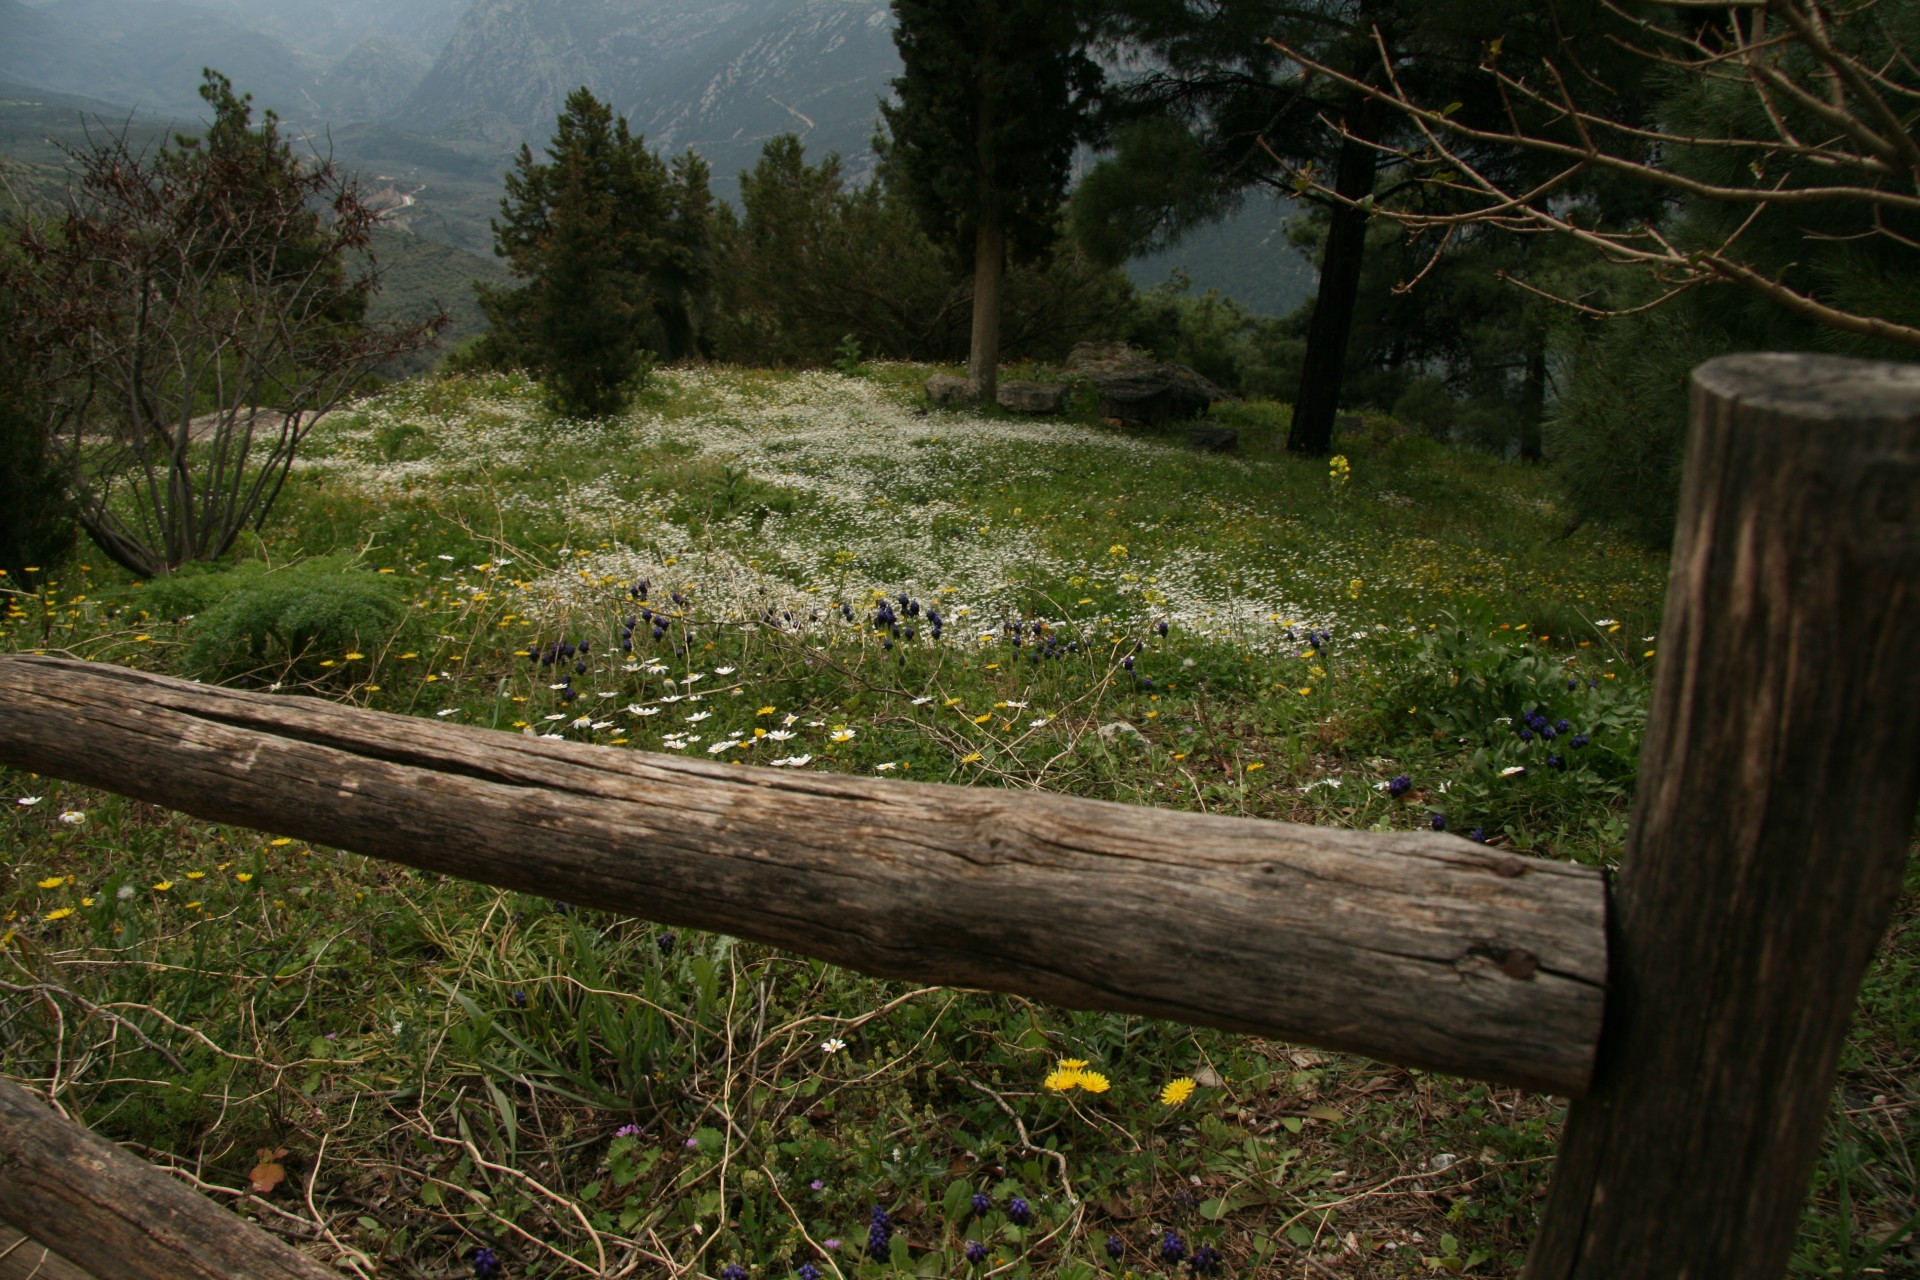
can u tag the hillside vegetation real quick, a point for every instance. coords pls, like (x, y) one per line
(458, 1080)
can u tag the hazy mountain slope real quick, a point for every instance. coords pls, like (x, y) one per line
(329, 61)
(721, 77)
(146, 53)
(368, 81)
(333, 27)
(816, 70)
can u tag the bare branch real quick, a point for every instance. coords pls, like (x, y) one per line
(1796, 72)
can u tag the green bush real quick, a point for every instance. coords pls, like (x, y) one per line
(1427, 408)
(250, 619)
(1617, 436)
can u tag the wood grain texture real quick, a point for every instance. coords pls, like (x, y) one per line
(1778, 783)
(111, 1213)
(1416, 948)
(24, 1258)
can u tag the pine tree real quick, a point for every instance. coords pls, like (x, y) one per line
(991, 105)
(614, 248)
(1223, 111)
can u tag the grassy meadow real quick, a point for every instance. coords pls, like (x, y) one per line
(810, 570)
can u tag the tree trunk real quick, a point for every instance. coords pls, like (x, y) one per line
(1778, 783)
(1536, 398)
(1318, 399)
(1411, 946)
(989, 273)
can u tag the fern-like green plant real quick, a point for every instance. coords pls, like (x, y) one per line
(288, 621)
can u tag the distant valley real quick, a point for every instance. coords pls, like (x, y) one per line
(428, 100)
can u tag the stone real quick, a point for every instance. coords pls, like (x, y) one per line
(1214, 439)
(1033, 397)
(946, 389)
(1138, 390)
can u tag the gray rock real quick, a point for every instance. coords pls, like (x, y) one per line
(1214, 439)
(946, 389)
(1033, 397)
(1121, 731)
(1138, 390)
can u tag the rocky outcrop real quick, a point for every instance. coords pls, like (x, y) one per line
(1138, 390)
(1033, 397)
(944, 389)
(1214, 439)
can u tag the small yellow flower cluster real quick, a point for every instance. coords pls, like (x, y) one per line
(1072, 1074)
(1339, 471)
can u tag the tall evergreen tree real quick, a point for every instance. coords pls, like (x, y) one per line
(614, 248)
(990, 106)
(1223, 101)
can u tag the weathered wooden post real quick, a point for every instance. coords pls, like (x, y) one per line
(1776, 799)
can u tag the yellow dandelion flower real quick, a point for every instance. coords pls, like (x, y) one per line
(1061, 1081)
(281, 842)
(60, 913)
(764, 711)
(86, 902)
(355, 657)
(983, 717)
(1177, 1091)
(1255, 765)
(972, 757)
(1073, 1064)
(243, 876)
(196, 875)
(1094, 1082)
(1305, 692)
(163, 886)
(52, 882)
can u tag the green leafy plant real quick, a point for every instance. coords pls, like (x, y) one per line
(298, 621)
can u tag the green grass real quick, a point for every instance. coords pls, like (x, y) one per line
(448, 1066)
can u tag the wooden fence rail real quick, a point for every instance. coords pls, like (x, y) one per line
(116, 1215)
(1780, 776)
(1416, 948)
